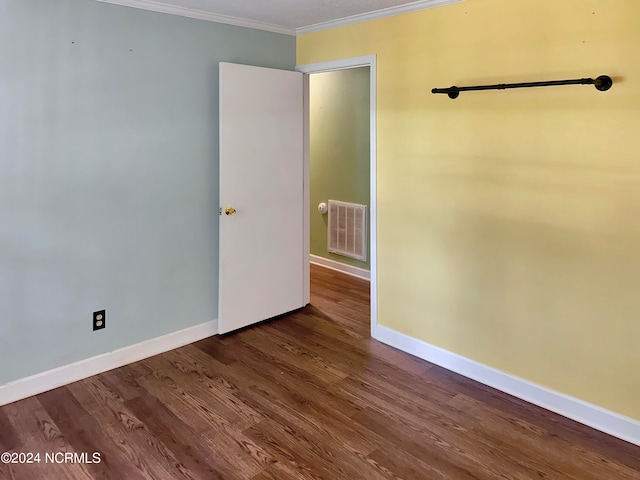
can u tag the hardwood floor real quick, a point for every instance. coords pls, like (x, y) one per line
(307, 396)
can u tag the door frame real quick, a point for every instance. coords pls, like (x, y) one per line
(329, 66)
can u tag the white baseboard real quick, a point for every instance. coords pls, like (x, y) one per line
(596, 417)
(57, 377)
(341, 267)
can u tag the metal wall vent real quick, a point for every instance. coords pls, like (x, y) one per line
(347, 232)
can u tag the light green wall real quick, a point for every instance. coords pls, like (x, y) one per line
(339, 139)
(109, 174)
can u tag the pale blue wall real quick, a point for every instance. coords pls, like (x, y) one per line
(109, 174)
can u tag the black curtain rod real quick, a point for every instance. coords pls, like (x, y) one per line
(602, 83)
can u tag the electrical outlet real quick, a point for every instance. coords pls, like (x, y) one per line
(99, 320)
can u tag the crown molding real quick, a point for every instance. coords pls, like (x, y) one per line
(382, 13)
(160, 7)
(154, 6)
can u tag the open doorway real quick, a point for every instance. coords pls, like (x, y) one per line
(350, 71)
(339, 170)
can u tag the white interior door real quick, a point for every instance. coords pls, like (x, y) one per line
(261, 194)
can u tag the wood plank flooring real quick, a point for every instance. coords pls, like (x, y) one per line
(307, 396)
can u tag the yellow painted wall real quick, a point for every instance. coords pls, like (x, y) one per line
(509, 222)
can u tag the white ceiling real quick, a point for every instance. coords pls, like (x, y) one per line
(284, 16)
(288, 13)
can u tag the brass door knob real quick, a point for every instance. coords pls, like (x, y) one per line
(230, 211)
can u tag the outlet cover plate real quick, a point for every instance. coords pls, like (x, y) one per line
(99, 320)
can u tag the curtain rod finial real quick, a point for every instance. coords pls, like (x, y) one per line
(603, 83)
